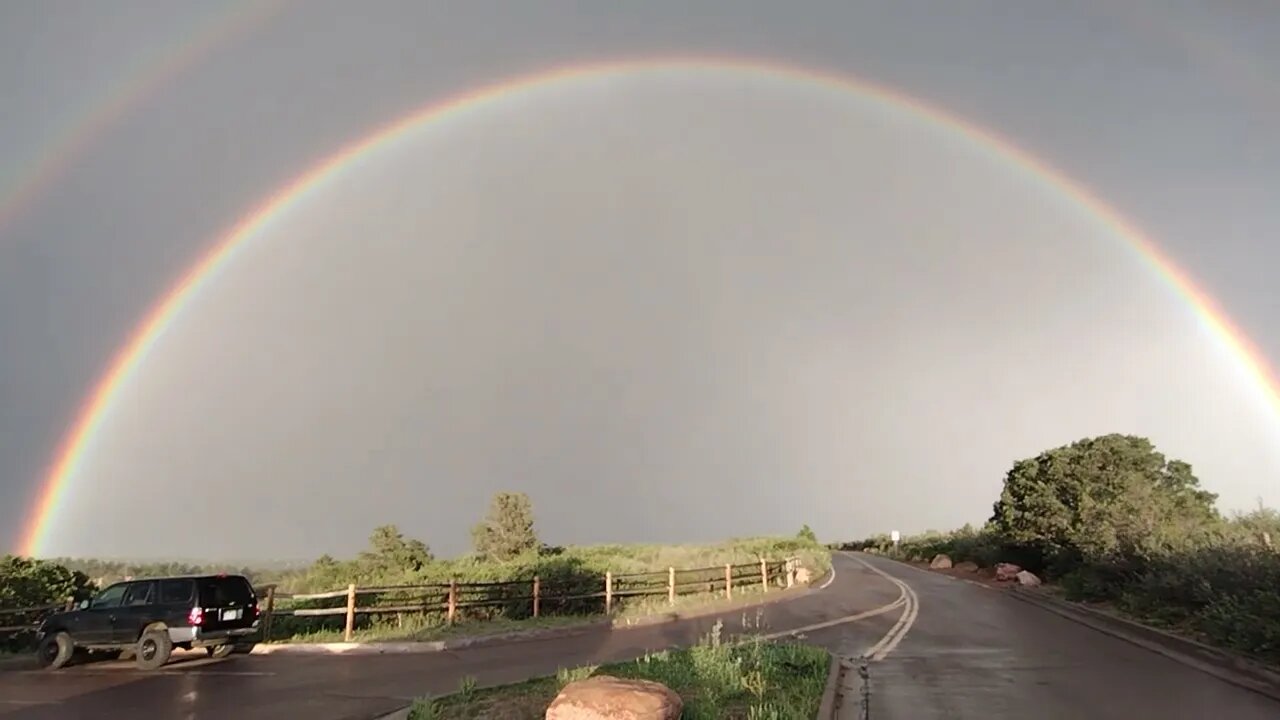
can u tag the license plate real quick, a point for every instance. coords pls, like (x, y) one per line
(231, 614)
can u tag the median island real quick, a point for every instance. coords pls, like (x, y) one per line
(716, 679)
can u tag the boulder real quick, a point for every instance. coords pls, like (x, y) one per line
(967, 566)
(940, 562)
(605, 697)
(1006, 572)
(803, 576)
(1028, 579)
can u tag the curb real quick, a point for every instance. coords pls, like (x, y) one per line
(1222, 664)
(833, 695)
(478, 641)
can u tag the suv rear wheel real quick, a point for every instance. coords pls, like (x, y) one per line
(154, 648)
(55, 651)
(221, 651)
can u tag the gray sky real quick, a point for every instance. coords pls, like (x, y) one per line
(675, 306)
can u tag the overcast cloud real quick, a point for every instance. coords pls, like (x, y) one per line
(683, 306)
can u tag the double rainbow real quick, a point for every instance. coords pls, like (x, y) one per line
(91, 416)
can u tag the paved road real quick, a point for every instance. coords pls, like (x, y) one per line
(356, 688)
(974, 652)
(949, 650)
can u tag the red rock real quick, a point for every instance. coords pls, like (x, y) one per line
(1007, 572)
(605, 697)
(1028, 579)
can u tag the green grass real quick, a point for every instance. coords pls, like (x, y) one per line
(576, 562)
(566, 571)
(751, 680)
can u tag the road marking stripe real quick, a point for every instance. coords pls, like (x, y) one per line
(837, 621)
(902, 598)
(831, 579)
(910, 612)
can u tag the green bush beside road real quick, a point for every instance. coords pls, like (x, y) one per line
(1111, 520)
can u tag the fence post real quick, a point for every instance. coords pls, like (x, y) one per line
(728, 581)
(537, 590)
(671, 586)
(791, 572)
(271, 606)
(764, 575)
(608, 592)
(351, 612)
(453, 601)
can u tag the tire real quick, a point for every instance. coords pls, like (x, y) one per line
(154, 648)
(55, 651)
(220, 651)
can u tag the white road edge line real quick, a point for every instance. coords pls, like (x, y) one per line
(910, 612)
(837, 621)
(902, 598)
(830, 580)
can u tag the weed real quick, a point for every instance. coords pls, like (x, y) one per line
(565, 676)
(424, 708)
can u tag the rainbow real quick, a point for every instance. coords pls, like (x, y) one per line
(126, 362)
(153, 73)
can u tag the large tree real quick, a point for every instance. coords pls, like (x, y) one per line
(507, 531)
(391, 552)
(28, 582)
(1099, 497)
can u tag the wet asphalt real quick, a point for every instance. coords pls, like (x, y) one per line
(966, 652)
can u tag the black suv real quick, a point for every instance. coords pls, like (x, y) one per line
(146, 619)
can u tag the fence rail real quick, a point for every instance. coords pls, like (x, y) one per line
(525, 598)
(521, 598)
(14, 621)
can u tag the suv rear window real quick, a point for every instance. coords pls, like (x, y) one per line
(174, 592)
(225, 591)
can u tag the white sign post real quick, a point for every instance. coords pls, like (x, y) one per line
(895, 536)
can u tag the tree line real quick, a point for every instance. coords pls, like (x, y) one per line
(1112, 519)
(506, 531)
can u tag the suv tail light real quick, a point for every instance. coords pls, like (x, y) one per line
(196, 616)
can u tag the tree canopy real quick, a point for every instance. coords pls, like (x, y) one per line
(27, 582)
(507, 530)
(391, 552)
(1102, 496)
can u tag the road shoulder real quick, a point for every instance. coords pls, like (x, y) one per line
(1223, 664)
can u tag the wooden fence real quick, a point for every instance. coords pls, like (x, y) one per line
(531, 598)
(16, 621)
(455, 601)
